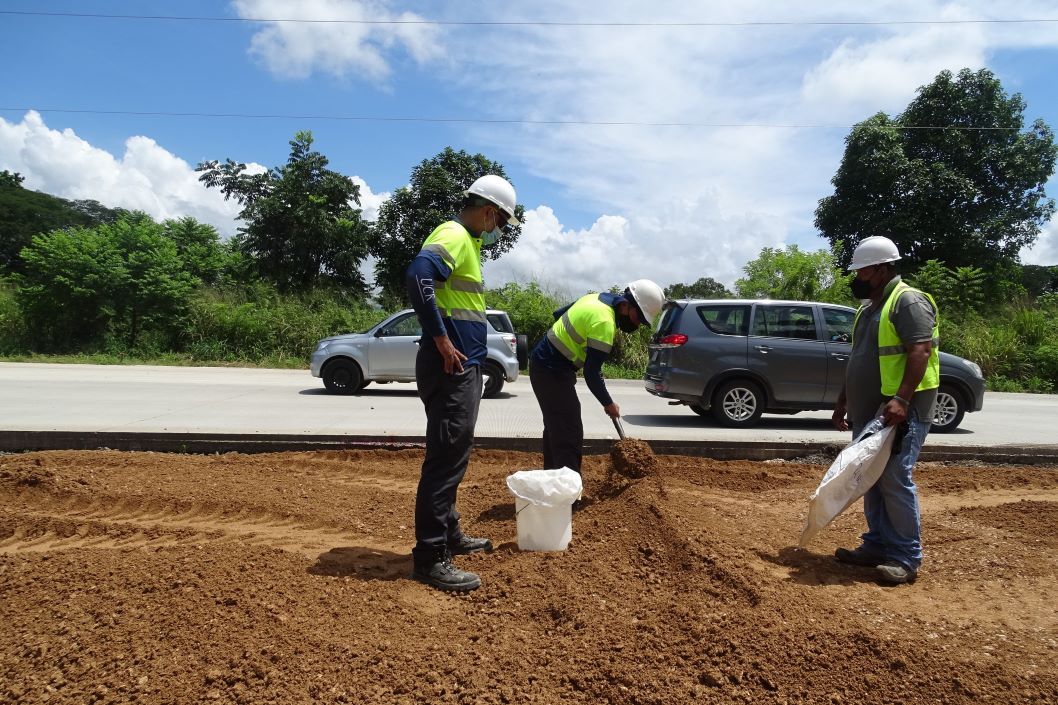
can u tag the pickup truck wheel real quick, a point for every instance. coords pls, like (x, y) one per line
(949, 409)
(738, 404)
(493, 380)
(343, 377)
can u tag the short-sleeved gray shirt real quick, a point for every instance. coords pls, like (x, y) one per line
(914, 318)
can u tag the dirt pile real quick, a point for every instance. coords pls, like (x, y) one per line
(282, 578)
(634, 458)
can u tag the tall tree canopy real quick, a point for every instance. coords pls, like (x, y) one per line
(300, 228)
(25, 213)
(704, 288)
(954, 178)
(794, 274)
(121, 277)
(434, 196)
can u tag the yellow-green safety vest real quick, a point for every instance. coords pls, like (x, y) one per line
(892, 355)
(588, 323)
(462, 295)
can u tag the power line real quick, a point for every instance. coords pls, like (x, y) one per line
(531, 23)
(492, 121)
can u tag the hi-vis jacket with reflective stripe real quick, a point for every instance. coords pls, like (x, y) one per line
(461, 297)
(892, 355)
(588, 323)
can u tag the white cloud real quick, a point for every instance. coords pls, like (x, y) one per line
(370, 202)
(717, 189)
(298, 49)
(146, 177)
(689, 241)
(1045, 249)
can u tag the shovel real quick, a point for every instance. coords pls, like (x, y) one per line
(617, 424)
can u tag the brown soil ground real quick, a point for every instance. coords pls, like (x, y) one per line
(282, 578)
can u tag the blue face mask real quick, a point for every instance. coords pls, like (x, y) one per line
(489, 237)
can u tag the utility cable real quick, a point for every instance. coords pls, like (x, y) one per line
(530, 23)
(494, 121)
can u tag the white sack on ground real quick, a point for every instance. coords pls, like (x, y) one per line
(855, 470)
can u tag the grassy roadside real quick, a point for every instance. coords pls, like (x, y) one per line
(280, 362)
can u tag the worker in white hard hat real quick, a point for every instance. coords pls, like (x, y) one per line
(893, 372)
(581, 339)
(447, 292)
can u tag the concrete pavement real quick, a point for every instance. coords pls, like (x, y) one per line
(210, 401)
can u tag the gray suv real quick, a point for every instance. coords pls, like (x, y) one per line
(386, 353)
(739, 358)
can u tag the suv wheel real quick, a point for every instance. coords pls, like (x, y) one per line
(343, 377)
(493, 380)
(738, 403)
(522, 347)
(949, 409)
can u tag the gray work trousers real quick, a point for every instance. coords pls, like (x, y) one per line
(451, 402)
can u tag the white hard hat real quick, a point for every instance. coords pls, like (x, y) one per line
(648, 296)
(497, 190)
(873, 250)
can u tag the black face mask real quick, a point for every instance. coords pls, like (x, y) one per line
(861, 289)
(626, 324)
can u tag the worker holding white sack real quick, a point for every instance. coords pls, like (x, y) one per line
(894, 371)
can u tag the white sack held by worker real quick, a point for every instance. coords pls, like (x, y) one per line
(855, 470)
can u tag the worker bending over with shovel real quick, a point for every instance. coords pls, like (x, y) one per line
(581, 339)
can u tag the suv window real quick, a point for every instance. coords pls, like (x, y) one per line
(409, 325)
(838, 324)
(725, 319)
(500, 322)
(785, 322)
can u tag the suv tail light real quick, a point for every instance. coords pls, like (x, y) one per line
(672, 340)
(512, 342)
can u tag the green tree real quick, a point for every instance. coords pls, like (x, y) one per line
(83, 283)
(300, 229)
(956, 290)
(153, 288)
(530, 307)
(25, 213)
(433, 196)
(1039, 280)
(64, 292)
(199, 247)
(704, 288)
(11, 180)
(794, 274)
(954, 178)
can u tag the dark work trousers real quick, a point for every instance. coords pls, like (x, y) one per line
(556, 393)
(451, 402)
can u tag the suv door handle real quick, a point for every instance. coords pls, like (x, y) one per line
(763, 348)
(839, 356)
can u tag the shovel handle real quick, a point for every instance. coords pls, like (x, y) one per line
(620, 428)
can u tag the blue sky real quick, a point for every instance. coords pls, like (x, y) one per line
(770, 104)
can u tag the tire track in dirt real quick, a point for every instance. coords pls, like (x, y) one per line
(72, 523)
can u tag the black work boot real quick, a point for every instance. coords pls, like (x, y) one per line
(439, 571)
(469, 544)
